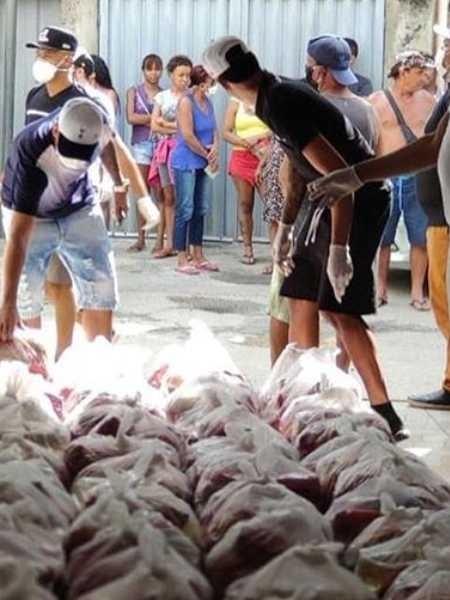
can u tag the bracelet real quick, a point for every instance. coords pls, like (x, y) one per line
(121, 188)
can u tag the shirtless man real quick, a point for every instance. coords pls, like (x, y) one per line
(409, 76)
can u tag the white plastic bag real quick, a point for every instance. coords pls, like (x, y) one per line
(201, 354)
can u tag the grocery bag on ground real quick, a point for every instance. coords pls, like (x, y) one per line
(200, 355)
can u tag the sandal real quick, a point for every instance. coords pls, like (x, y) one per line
(382, 301)
(421, 305)
(165, 253)
(268, 270)
(206, 265)
(136, 247)
(248, 258)
(187, 270)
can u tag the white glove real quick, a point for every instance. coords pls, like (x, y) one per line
(149, 212)
(333, 187)
(283, 249)
(339, 269)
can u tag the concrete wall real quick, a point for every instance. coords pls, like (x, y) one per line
(409, 25)
(81, 16)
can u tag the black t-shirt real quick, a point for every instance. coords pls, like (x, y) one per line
(363, 87)
(297, 114)
(430, 195)
(39, 104)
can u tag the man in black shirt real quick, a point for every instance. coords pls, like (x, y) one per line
(317, 138)
(363, 87)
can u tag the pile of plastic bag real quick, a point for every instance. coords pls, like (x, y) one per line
(171, 477)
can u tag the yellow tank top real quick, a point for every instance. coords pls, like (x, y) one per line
(247, 125)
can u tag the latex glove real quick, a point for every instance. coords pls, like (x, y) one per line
(283, 249)
(339, 269)
(333, 187)
(149, 212)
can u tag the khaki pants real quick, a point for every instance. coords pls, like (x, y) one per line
(439, 283)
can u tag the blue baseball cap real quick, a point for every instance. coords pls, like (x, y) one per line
(334, 53)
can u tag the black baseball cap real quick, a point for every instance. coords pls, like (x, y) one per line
(55, 38)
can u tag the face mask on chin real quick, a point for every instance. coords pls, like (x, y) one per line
(44, 71)
(74, 164)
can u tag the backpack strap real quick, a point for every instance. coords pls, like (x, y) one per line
(407, 132)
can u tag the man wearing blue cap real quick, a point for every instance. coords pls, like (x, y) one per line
(316, 137)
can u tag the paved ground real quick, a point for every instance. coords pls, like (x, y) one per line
(157, 304)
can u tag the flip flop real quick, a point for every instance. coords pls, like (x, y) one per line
(164, 254)
(382, 301)
(267, 270)
(207, 265)
(248, 259)
(136, 247)
(187, 270)
(420, 305)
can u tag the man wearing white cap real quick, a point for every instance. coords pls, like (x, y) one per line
(317, 138)
(49, 207)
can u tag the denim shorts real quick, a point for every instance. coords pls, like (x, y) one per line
(143, 152)
(81, 242)
(405, 201)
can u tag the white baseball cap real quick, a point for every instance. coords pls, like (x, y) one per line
(442, 31)
(80, 124)
(215, 56)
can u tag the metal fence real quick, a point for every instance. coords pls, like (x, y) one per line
(20, 22)
(277, 30)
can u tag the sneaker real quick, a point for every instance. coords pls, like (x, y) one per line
(439, 400)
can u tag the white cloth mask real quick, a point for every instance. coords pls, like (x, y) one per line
(44, 71)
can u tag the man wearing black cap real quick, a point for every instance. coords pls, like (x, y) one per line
(49, 206)
(317, 137)
(56, 49)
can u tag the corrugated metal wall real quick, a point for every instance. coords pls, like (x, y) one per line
(277, 30)
(15, 65)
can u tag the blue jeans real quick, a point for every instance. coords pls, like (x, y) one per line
(405, 200)
(191, 208)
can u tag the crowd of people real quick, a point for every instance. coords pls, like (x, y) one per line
(69, 172)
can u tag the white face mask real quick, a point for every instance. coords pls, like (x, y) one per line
(75, 164)
(44, 71)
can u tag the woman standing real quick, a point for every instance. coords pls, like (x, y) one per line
(196, 148)
(139, 116)
(268, 180)
(101, 80)
(249, 136)
(164, 124)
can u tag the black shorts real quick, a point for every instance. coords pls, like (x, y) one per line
(309, 280)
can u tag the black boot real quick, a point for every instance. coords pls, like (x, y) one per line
(439, 400)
